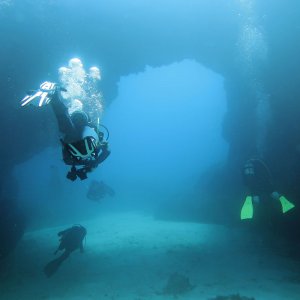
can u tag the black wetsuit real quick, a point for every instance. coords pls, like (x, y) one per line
(257, 178)
(75, 135)
(71, 239)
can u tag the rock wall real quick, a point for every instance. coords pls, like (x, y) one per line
(39, 38)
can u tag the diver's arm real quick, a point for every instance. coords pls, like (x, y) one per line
(104, 153)
(64, 121)
(67, 157)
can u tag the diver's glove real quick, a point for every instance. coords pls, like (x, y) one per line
(43, 95)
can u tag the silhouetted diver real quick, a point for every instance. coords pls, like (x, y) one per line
(71, 239)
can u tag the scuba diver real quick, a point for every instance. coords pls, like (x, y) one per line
(83, 144)
(258, 180)
(71, 239)
(99, 190)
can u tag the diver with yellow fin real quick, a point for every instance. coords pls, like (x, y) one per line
(258, 179)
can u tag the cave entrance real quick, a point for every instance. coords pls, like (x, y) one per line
(166, 126)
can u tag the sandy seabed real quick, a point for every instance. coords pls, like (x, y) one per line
(133, 256)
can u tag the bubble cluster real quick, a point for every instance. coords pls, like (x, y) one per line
(82, 88)
(252, 46)
(252, 56)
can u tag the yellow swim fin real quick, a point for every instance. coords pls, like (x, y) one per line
(247, 209)
(285, 204)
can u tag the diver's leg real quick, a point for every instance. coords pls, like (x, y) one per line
(286, 205)
(53, 265)
(64, 256)
(65, 124)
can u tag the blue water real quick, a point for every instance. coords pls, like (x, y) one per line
(188, 90)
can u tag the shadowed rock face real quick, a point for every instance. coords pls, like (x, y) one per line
(206, 31)
(12, 226)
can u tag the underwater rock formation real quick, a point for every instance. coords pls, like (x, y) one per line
(12, 226)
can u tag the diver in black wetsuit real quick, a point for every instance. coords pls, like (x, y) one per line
(83, 143)
(258, 180)
(71, 239)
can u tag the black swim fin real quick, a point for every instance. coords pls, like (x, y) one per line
(53, 265)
